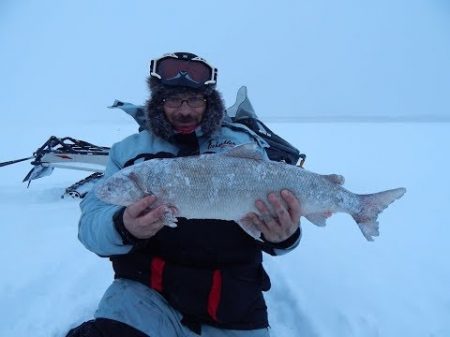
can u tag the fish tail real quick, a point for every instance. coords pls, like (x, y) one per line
(371, 206)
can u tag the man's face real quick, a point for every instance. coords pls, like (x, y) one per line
(185, 111)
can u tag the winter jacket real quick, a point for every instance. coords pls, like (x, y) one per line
(209, 270)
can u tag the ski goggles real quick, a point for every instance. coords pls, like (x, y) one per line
(194, 72)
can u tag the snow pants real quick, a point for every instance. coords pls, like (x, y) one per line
(130, 309)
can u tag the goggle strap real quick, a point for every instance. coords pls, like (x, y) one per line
(155, 75)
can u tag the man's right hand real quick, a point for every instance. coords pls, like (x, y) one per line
(143, 221)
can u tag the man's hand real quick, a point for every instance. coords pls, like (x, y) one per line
(282, 221)
(143, 221)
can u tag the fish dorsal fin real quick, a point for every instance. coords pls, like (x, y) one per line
(334, 178)
(248, 150)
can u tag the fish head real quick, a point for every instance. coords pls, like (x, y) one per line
(123, 188)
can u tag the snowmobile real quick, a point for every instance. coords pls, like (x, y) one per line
(71, 153)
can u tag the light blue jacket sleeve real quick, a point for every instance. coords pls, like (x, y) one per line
(96, 229)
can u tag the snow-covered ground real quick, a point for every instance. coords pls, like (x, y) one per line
(335, 284)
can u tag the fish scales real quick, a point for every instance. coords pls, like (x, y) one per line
(203, 189)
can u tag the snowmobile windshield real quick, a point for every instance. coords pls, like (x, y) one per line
(193, 72)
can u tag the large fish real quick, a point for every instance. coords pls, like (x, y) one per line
(226, 186)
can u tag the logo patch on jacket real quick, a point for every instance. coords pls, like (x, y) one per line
(223, 144)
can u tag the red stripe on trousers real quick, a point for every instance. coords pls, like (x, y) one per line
(156, 274)
(214, 294)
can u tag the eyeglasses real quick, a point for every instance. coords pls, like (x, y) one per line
(193, 72)
(193, 102)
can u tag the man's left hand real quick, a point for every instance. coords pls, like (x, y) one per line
(280, 221)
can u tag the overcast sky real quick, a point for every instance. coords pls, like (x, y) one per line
(298, 58)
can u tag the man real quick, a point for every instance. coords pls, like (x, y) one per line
(204, 276)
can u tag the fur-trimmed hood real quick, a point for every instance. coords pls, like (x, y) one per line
(156, 118)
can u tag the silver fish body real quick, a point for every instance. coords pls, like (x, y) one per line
(226, 185)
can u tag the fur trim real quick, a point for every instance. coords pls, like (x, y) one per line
(156, 118)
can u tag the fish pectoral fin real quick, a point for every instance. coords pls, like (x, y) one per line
(318, 219)
(334, 178)
(169, 218)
